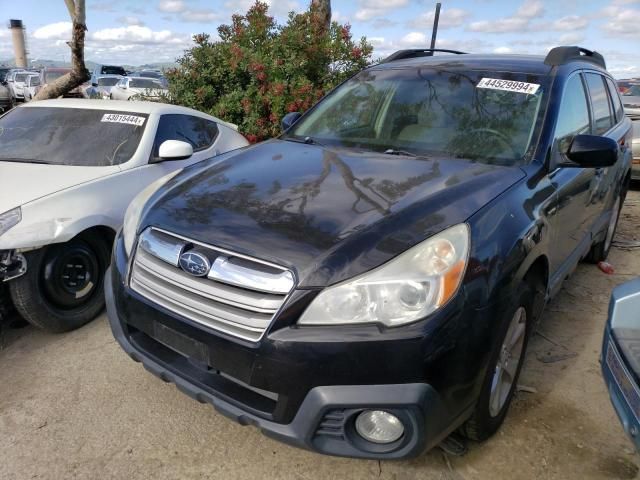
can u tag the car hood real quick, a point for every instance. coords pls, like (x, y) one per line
(26, 182)
(326, 213)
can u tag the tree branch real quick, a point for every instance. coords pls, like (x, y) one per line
(79, 73)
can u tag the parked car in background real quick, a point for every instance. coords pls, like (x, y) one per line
(101, 86)
(4, 71)
(367, 283)
(6, 99)
(635, 169)
(155, 74)
(31, 86)
(623, 85)
(49, 74)
(620, 358)
(631, 101)
(69, 170)
(137, 88)
(18, 83)
(102, 70)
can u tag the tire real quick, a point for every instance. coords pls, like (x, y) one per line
(492, 407)
(600, 251)
(63, 288)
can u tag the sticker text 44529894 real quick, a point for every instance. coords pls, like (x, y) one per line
(508, 85)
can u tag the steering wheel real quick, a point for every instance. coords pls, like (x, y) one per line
(502, 138)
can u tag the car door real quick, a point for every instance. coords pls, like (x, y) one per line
(201, 133)
(571, 227)
(605, 123)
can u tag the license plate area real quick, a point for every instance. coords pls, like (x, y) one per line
(180, 343)
(623, 379)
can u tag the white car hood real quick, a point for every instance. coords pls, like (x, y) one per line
(25, 182)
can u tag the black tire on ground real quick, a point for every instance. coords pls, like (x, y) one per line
(600, 251)
(63, 288)
(483, 423)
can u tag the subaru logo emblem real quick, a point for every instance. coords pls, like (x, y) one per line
(195, 264)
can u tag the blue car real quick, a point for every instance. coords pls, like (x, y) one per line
(621, 356)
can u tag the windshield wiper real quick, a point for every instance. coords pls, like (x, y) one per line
(307, 140)
(22, 160)
(391, 151)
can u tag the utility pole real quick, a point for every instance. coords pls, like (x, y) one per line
(436, 20)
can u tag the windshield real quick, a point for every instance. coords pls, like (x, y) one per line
(633, 91)
(144, 83)
(66, 136)
(51, 76)
(108, 81)
(425, 111)
(112, 70)
(21, 77)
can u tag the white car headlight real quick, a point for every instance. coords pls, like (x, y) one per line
(403, 290)
(10, 219)
(134, 211)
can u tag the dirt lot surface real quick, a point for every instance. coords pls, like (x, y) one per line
(75, 406)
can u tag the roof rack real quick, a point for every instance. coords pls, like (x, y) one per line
(417, 52)
(563, 55)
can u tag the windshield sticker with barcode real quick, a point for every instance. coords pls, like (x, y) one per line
(508, 85)
(120, 118)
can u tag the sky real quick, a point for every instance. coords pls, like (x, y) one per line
(151, 31)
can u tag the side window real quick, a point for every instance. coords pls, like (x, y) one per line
(617, 103)
(602, 115)
(573, 118)
(199, 132)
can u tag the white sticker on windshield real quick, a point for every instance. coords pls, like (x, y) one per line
(120, 118)
(508, 85)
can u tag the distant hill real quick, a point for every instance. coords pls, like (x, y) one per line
(90, 64)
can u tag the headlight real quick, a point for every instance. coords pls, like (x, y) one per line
(10, 219)
(405, 289)
(134, 211)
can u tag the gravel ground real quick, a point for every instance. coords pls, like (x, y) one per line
(75, 406)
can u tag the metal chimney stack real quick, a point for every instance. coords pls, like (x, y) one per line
(19, 45)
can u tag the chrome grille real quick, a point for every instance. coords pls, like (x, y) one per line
(239, 296)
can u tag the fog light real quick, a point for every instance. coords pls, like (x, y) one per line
(378, 426)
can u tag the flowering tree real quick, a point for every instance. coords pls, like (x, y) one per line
(259, 70)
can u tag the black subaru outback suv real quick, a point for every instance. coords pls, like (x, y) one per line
(367, 283)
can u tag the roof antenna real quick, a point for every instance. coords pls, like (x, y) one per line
(436, 20)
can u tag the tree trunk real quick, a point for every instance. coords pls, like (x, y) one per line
(323, 7)
(79, 73)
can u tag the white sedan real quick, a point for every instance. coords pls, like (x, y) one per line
(69, 170)
(129, 88)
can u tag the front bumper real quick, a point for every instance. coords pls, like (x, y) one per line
(624, 391)
(305, 387)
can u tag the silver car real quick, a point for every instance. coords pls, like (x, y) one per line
(635, 167)
(631, 101)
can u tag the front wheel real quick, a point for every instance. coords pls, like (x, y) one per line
(63, 288)
(504, 368)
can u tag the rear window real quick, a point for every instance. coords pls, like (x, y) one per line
(108, 82)
(617, 103)
(144, 83)
(51, 76)
(112, 70)
(66, 136)
(602, 117)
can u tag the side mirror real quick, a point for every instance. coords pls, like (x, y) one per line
(592, 151)
(289, 119)
(94, 84)
(175, 150)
